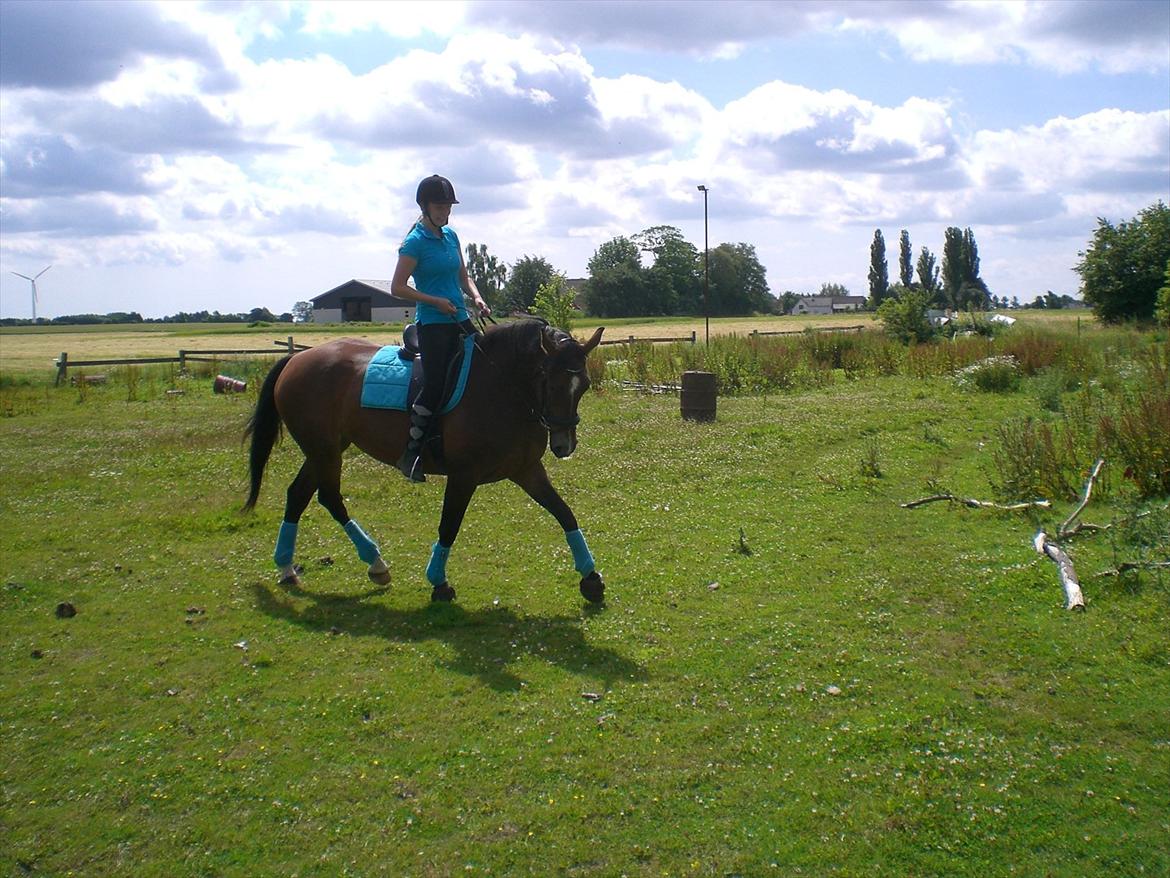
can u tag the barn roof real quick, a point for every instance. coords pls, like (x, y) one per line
(376, 288)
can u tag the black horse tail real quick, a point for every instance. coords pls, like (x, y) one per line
(265, 428)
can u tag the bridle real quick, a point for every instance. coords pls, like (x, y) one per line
(549, 421)
(554, 422)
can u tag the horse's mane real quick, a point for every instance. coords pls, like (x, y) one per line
(518, 341)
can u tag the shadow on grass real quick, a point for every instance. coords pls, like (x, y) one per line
(485, 641)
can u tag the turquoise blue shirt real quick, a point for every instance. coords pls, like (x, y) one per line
(437, 271)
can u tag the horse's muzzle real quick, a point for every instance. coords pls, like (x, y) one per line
(562, 442)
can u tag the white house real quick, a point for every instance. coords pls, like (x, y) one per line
(828, 304)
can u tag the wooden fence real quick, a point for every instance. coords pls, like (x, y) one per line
(692, 338)
(63, 363)
(208, 355)
(633, 339)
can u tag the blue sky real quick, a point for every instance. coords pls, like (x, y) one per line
(186, 156)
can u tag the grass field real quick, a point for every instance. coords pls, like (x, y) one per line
(792, 675)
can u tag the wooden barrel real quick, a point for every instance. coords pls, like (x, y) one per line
(224, 384)
(697, 397)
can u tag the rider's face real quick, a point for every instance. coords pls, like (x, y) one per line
(439, 214)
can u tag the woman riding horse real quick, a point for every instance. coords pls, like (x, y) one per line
(432, 255)
(524, 384)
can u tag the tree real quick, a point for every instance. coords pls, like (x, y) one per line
(527, 276)
(952, 265)
(1123, 268)
(830, 289)
(1162, 306)
(676, 281)
(617, 284)
(260, 315)
(739, 283)
(905, 318)
(488, 273)
(905, 260)
(928, 276)
(554, 302)
(973, 292)
(302, 312)
(788, 300)
(879, 272)
(963, 287)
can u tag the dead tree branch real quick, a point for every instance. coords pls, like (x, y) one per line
(977, 504)
(1085, 495)
(1074, 599)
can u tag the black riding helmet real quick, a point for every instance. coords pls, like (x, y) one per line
(435, 190)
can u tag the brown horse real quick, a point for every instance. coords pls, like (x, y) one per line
(521, 396)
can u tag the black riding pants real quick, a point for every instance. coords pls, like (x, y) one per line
(438, 343)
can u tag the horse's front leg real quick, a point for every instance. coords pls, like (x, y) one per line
(537, 486)
(456, 496)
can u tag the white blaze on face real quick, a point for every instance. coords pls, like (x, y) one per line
(574, 385)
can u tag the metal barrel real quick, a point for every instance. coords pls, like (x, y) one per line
(225, 384)
(697, 396)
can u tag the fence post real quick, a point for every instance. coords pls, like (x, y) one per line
(291, 347)
(62, 367)
(182, 361)
(694, 337)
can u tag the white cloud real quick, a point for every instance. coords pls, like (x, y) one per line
(398, 18)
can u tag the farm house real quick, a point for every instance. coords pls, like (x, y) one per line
(361, 301)
(828, 304)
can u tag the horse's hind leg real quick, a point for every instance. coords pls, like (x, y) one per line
(329, 496)
(456, 496)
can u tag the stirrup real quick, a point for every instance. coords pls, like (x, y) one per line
(410, 465)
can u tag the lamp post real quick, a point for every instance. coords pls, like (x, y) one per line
(706, 273)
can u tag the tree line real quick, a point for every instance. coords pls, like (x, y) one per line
(256, 315)
(674, 279)
(955, 284)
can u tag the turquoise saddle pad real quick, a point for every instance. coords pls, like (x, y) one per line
(387, 381)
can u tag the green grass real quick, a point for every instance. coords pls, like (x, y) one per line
(980, 728)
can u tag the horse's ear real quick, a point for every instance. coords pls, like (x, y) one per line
(548, 340)
(594, 341)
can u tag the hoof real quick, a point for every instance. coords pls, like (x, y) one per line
(593, 588)
(380, 577)
(443, 592)
(289, 575)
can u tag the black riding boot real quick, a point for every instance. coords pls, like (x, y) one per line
(410, 464)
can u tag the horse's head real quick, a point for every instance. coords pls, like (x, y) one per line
(565, 381)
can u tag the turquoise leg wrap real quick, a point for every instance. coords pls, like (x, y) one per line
(582, 557)
(367, 549)
(286, 541)
(437, 568)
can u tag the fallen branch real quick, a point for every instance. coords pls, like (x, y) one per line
(1098, 528)
(1064, 528)
(977, 504)
(1074, 600)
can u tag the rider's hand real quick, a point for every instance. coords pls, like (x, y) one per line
(484, 310)
(447, 307)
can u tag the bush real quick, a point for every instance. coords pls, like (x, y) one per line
(992, 375)
(1034, 459)
(1138, 434)
(905, 319)
(554, 302)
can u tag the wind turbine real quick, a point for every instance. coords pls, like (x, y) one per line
(33, 281)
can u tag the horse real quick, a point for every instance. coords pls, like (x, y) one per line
(522, 390)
